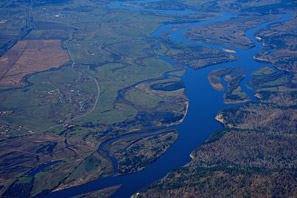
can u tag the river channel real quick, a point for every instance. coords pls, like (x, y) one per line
(199, 124)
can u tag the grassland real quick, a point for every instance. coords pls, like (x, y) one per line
(194, 56)
(75, 77)
(267, 77)
(67, 109)
(23, 154)
(28, 57)
(16, 22)
(254, 154)
(235, 94)
(235, 6)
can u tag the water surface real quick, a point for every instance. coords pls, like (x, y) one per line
(199, 124)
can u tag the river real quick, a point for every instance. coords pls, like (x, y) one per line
(199, 124)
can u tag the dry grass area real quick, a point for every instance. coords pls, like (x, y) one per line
(229, 33)
(104, 193)
(28, 57)
(19, 155)
(214, 77)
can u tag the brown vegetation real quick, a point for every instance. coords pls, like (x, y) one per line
(200, 57)
(137, 152)
(214, 78)
(223, 182)
(104, 193)
(255, 155)
(144, 152)
(282, 37)
(19, 155)
(261, 116)
(28, 57)
(228, 33)
(194, 56)
(248, 149)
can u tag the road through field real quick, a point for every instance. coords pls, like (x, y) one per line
(199, 124)
(96, 100)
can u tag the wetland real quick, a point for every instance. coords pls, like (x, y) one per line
(139, 90)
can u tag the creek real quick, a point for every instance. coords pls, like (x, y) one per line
(205, 103)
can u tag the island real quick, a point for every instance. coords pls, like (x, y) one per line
(88, 93)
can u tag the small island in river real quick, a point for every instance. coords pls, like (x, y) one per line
(87, 93)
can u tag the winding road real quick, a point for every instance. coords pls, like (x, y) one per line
(96, 100)
(199, 123)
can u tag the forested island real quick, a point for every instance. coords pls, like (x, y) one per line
(86, 92)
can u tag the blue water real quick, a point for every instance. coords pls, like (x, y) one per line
(199, 123)
(37, 170)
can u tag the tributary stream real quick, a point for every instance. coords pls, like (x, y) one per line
(199, 124)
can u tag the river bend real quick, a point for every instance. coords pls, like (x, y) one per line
(199, 124)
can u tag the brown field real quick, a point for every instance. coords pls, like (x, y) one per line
(28, 57)
(20, 155)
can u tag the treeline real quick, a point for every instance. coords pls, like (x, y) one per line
(224, 182)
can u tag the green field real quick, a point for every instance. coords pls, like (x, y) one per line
(80, 101)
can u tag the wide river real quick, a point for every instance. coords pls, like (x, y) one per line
(199, 124)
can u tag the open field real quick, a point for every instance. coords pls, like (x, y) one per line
(28, 57)
(106, 47)
(16, 22)
(52, 98)
(236, 6)
(266, 77)
(22, 155)
(110, 82)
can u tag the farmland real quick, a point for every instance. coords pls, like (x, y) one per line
(82, 82)
(29, 57)
(76, 77)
